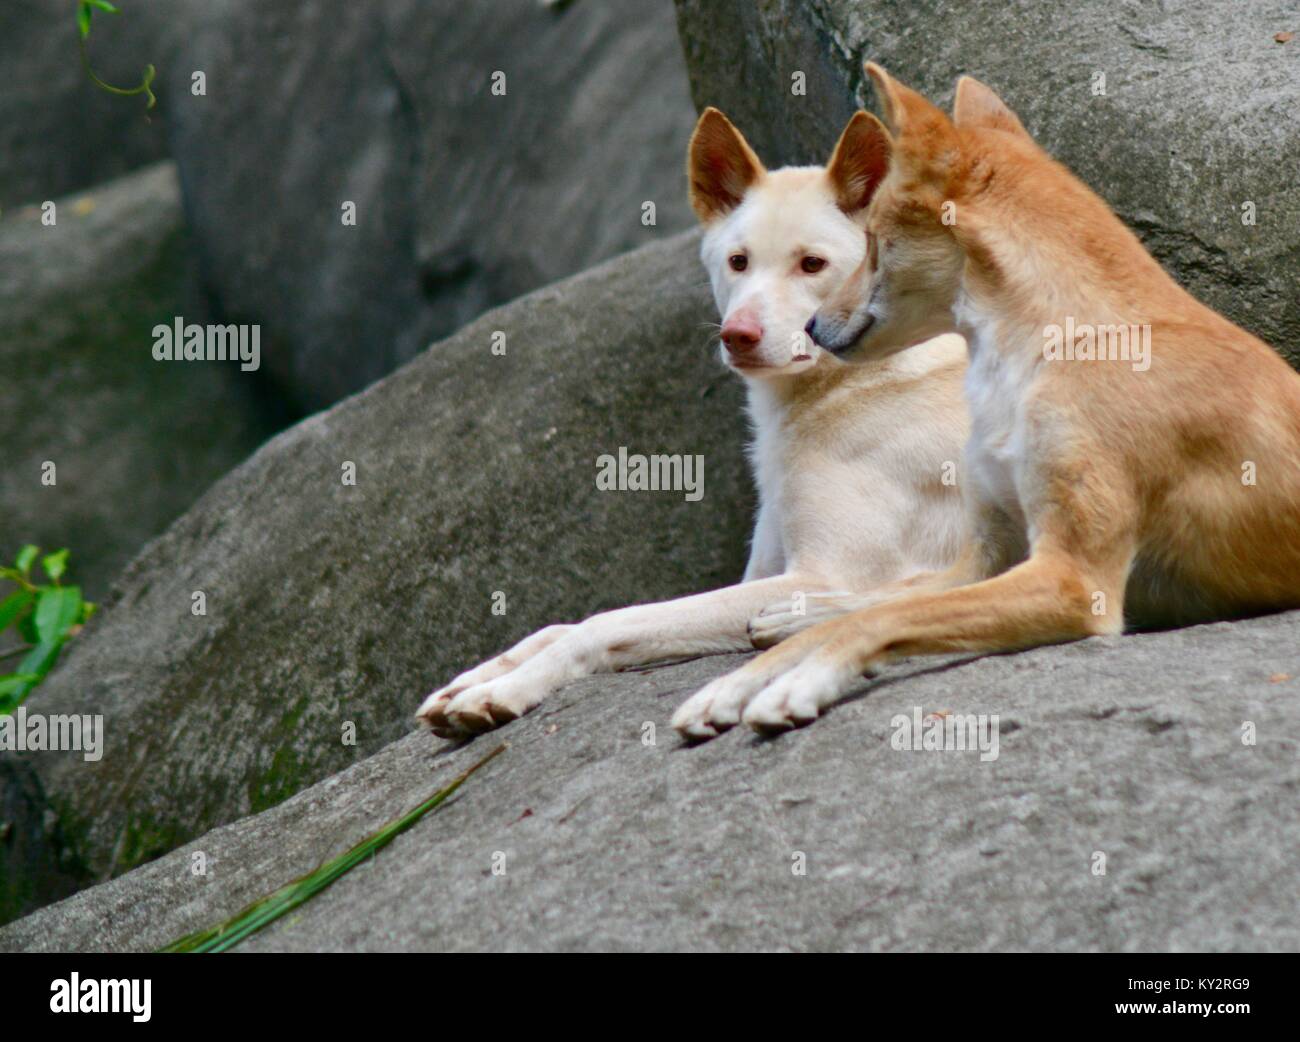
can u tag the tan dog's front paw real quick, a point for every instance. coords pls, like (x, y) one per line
(785, 687)
(795, 698)
(716, 707)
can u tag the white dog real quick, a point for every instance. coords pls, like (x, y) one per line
(855, 464)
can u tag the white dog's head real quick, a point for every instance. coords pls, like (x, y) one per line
(777, 243)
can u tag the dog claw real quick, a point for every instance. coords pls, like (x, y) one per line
(500, 714)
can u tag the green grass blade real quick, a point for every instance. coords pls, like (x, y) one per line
(267, 909)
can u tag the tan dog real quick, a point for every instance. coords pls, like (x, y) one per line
(854, 463)
(1133, 454)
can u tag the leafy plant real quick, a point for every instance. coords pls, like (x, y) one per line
(43, 616)
(265, 911)
(85, 9)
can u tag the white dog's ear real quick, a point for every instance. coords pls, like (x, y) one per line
(720, 165)
(860, 162)
(978, 106)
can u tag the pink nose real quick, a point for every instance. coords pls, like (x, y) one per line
(742, 334)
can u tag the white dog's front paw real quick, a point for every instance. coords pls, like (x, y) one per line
(464, 707)
(782, 620)
(490, 705)
(433, 710)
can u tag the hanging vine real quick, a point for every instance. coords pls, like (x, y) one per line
(86, 8)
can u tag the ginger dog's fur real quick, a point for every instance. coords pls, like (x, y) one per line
(1099, 491)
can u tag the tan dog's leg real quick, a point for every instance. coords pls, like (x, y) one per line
(1048, 599)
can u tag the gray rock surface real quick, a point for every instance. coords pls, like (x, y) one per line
(58, 132)
(331, 604)
(465, 199)
(1128, 746)
(134, 441)
(1197, 119)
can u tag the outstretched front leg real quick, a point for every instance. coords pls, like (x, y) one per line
(432, 709)
(1048, 599)
(512, 684)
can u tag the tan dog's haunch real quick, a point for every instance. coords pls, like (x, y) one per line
(850, 460)
(1133, 455)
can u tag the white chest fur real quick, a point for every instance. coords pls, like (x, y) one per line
(996, 387)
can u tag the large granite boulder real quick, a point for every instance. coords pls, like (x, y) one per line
(133, 441)
(1197, 119)
(332, 608)
(465, 198)
(1128, 809)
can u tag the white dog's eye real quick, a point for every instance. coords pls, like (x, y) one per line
(738, 261)
(812, 265)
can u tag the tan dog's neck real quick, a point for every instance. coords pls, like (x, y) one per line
(1042, 247)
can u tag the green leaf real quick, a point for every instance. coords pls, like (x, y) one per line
(55, 564)
(13, 606)
(57, 609)
(11, 683)
(27, 626)
(39, 660)
(26, 558)
(85, 8)
(33, 669)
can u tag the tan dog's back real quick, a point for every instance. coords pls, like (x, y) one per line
(1199, 444)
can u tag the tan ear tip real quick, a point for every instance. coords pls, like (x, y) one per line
(861, 122)
(876, 72)
(710, 121)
